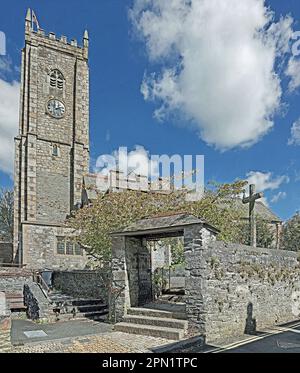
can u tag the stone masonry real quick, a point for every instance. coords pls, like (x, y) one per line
(47, 184)
(230, 289)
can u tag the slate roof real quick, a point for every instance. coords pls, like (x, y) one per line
(168, 222)
(262, 211)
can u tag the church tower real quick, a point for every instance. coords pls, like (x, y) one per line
(52, 148)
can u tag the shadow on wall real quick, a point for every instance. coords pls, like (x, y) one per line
(250, 327)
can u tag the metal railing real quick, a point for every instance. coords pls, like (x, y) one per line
(37, 278)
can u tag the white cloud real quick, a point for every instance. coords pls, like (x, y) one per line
(217, 61)
(137, 160)
(9, 114)
(277, 197)
(293, 71)
(295, 133)
(266, 180)
(5, 66)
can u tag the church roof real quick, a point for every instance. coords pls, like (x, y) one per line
(262, 211)
(172, 222)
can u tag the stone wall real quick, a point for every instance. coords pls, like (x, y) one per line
(6, 252)
(234, 289)
(13, 279)
(40, 248)
(36, 302)
(246, 289)
(83, 284)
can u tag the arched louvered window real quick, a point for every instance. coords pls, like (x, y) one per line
(56, 79)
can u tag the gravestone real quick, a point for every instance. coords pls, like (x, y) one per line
(5, 321)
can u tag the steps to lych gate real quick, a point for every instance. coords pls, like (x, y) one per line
(66, 307)
(152, 322)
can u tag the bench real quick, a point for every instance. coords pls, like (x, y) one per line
(15, 301)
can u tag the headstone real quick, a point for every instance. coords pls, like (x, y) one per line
(3, 310)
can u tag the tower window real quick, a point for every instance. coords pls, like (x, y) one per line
(55, 151)
(56, 79)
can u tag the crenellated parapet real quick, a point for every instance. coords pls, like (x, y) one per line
(35, 35)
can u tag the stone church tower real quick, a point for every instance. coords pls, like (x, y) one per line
(52, 148)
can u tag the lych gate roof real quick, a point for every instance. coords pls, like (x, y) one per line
(172, 222)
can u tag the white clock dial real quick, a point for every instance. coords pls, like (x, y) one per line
(56, 108)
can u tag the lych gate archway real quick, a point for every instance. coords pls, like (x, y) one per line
(132, 262)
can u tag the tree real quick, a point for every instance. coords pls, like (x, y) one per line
(114, 211)
(291, 234)
(265, 235)
(6, 214)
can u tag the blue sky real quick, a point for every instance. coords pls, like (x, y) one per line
(120, 115)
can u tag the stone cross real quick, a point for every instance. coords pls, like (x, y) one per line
(252, 220)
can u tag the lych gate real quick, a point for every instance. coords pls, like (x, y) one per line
(132, 270)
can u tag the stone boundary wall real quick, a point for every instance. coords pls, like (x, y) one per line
(247, 289)
(13, 279)
(36, 302)
(6, 252)
(81, 283)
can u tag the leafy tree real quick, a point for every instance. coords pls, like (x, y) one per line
(264, 233)
(113, 211)
(6, 214)
(176, 245)
(291, 234)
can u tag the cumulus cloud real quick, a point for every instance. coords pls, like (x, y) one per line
(295, 133)
(137, 160)
(217, 65)
(9, 114)
(266, 180)
(277, 197)
(293, 71)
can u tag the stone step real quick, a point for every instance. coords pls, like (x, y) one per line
(80, 309)
(157, 321)
(139, 311)
(76, 301)
(154, 312)
(80, 317)
(150, 330)
(91, 307)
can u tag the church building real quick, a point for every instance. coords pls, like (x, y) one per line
(51, 149)
(51, 175)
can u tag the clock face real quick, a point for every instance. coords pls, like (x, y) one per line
(56, 108)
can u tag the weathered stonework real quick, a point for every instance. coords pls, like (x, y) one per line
(38, 306)
(47, 185)
(81, 284)
(13, 280)
(230, 289)
(6, 252)
(248, 289)
(41, 248)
